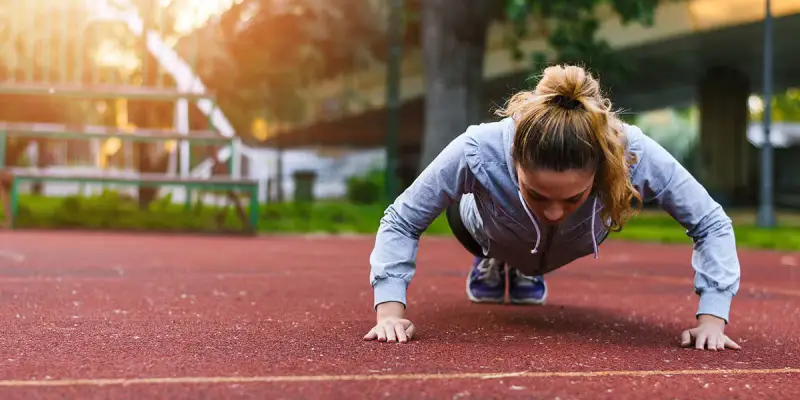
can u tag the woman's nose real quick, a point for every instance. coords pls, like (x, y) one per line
(554, 212)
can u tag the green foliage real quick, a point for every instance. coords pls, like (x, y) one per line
(257, 72)
(110, 210)
(785, 107)
(333, 217)
(678, 132)
(572, 27)
(116, 212)
(656, 226)
(322, 217)
(366, 189)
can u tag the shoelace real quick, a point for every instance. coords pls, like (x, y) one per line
(532, 279)
(488, 270)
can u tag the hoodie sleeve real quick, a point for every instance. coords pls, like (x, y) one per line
(659, 177)
(443, 182)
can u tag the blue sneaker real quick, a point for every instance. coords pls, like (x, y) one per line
(526, 289)
(486, 282)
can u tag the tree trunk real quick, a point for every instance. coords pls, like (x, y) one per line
(454, 43)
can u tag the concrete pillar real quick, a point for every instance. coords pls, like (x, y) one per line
(726, 155)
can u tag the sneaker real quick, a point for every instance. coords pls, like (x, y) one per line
(486, 282)
(524, 289)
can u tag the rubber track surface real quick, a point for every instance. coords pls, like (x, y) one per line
(87, 315)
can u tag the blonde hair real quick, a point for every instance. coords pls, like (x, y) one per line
(566, 123)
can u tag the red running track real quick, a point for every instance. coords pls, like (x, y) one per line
(123, 316)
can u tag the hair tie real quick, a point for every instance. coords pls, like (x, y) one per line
(566, 102)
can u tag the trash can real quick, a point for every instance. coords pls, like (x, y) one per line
(304, 186)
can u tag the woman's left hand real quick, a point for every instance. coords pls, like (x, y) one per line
(710, 331)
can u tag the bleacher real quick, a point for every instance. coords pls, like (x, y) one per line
(46, 68)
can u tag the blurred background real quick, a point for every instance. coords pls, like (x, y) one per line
(312, 115)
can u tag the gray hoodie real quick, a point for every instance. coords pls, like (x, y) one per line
(479, 162)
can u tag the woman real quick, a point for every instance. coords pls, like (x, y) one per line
(542, 188)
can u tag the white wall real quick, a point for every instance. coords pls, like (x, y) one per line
(332, 169)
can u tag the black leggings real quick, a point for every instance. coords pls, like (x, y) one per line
(453, 214)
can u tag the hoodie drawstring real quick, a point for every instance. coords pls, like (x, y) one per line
(594, 236)
(539, 234)
(533, 220)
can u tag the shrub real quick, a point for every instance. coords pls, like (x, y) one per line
(367, 188)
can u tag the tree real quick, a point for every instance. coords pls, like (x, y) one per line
(785, 107)
(454, 41)
(268, 50)
(262, 53)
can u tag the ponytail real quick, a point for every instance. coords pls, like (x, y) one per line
(565, 123)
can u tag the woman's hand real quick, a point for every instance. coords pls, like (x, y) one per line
(391, 326)
(710, 331)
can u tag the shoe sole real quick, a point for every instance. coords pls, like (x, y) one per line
(485, 300)
(530, 302)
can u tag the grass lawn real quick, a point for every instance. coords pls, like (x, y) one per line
(340, 217)
(648, 226)
(656, 226)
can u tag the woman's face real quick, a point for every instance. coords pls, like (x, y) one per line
(552, 196)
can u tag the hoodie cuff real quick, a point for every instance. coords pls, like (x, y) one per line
(716, 303)
(390, 289)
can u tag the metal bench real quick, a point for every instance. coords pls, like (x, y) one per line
(13, 177)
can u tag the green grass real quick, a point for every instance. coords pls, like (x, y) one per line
(111, 211)
(334, 217)
(658, 227)
(649, 226)
(331, 217)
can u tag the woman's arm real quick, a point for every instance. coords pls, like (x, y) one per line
(661, 178)
(440, 184)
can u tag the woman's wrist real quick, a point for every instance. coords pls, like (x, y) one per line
(390, 309)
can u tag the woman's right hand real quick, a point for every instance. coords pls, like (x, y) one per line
(391, 325)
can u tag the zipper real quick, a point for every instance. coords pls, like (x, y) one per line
(548, 242)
